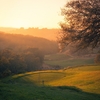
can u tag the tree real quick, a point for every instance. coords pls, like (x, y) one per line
(4, 66)
(81, 26)
(33, 58)
(17, 64)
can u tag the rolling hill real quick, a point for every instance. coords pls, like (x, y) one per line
(20, 42)
(76, 83)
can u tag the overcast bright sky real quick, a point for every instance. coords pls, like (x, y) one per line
(31, 13)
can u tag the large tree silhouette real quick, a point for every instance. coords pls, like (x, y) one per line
(81, 25)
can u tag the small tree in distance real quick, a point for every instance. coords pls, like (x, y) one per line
(81, 26)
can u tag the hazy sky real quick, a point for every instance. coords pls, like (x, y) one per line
(31, 13)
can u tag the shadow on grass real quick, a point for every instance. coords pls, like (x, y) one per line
(78, 90)
(17, 79)
(72, 88)
(19, 85)
(35, 92)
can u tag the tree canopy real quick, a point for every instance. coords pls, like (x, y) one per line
(81, 25)
(12, 62)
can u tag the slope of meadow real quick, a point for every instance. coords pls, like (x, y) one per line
(64, 60)
(78, 83)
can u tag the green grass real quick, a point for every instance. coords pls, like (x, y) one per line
(57, 57)
(73, 62)
(77, 83)
(31, 92)
(86, 78)
(64, 60)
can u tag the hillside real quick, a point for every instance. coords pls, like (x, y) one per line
(78, 83)
(50, 34)
(21, 42)
(64, 60)
(81, 77)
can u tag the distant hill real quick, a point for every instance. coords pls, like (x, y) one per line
(20, 42)
(50, 34)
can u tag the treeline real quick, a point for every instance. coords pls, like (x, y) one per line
(22, 53)
(20, 42)
(30, 59)
(50, 34)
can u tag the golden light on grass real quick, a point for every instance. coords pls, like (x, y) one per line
(87, 78)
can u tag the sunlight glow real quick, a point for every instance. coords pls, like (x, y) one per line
(17, 23)
(31, 13)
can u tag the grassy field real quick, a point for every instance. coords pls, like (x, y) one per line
(66, 63)
(77, 83)
(64, 60)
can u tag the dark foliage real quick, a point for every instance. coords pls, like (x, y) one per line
(12, 63)
(81, 26)
(22, 53)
